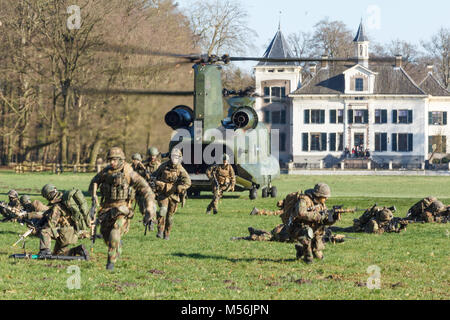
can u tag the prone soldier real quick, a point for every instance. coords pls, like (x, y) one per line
(118, 183)
(171, 181)
(379, 220)
(429, 209)
(223, 179)
(13, 210)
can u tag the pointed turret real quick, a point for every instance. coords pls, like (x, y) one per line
(278, 48)
(361, 42)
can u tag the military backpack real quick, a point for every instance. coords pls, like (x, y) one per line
(77, 205)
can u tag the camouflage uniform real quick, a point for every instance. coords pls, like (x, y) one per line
(378, 220)
(279, 233)
(117, 187)
(59, 226)
(429, 209)
(35, 210)
(265, 212)
(172, 180)
(226, 180)
(307, 222)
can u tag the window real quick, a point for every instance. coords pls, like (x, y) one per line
(380, 116)
(402, 116)
(332, 141)
(305, 146)
(358, 116)
(317, 116)
(318, 141)
(282, 141)
(273, 92)
(437, 118)
(267, 116)
(341, 116)
(341, 142)
(437, 144)
(402, 142)
(381, 142)
(359, 84)
(332, 116)
(279, 117)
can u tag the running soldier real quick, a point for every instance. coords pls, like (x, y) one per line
(152, 163)
(171, 182)
(379, 220)
(138, 166)
(118, 183)
(60, 225)
(223, 179)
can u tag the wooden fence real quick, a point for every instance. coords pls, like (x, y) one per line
(56, 167)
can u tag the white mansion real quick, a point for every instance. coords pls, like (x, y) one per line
(376, 105)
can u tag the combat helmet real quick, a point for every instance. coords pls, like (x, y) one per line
(226, 157)
(437, 206)
(25, 199)
(48, 191)
(385, 215)
(12, 194)
(322, 190)
(153, 151)
(136, 156)
(115, 152)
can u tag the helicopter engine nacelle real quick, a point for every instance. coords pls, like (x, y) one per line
(179, 117)
(245, 118)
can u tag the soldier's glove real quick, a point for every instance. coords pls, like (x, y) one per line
(180, 189)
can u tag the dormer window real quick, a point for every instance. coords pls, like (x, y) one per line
(359, 84)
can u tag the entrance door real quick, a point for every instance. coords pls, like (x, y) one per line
(359, 140)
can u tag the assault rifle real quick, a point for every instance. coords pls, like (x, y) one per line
(10, 213)
(33, 228)
(46, 257)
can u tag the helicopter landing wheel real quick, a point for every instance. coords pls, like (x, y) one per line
(265, 192)
(253, 193)
(273, 192)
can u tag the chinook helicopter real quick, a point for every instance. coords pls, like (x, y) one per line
(203, 131)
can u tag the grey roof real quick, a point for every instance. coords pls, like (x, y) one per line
(433, 87)
(361, 35)
(389, 80)
(278, 48)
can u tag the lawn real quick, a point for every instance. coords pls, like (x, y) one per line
(201, 262)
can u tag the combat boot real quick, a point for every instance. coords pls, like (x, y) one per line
(152, 226)
(166, 237)
(45, 252)
(110, 266)
(80, 250)
(159, 234)
(215, 211)
(318, 254)
(254, 211)
(299, 250)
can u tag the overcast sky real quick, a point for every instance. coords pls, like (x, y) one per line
(385, 20)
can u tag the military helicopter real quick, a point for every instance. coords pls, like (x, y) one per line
(203, 129)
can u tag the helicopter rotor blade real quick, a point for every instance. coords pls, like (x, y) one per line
(133, 92)
(146, 52)
(311, 59)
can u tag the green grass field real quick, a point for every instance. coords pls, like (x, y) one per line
(201, 262)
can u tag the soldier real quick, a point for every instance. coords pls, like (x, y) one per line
(378, 220)
(13, 210)
(117, 183)
(60, 226)
(172, 180)
(223, 179)
(138, 166)
(307, 221)
(429, 209)
(265, 212)
(35, 209)
(152, 163)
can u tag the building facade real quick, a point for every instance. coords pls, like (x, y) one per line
(367, 105)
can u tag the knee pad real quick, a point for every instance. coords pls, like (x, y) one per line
(163, 211)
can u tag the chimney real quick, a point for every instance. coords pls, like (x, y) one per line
(324, 64)
(312, 69)
(430, 69)
(398, 61)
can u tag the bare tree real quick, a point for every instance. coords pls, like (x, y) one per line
(301, 43)
(221, 26)
(439, 50)
(332, 38)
